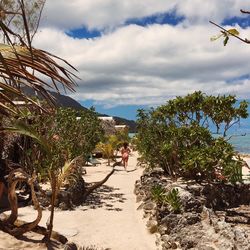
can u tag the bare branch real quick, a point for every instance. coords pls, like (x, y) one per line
(241, 39)
(230, 137)
(26, 27)
(38, 21)
(245, 12)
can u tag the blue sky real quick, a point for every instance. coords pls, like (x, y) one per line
(142, 53)
(83, 33)
(127, 111)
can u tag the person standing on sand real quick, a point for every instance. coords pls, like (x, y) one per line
(125, 151)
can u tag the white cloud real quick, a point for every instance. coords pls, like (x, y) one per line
(197, 11)
(99, 13)
(147, 65)
(103, 14)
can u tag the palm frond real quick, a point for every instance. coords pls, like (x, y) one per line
(21, 128)
(22, 65)
(16, 65)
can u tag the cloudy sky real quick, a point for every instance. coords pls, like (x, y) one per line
(139, 53)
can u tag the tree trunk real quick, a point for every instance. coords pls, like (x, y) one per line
(8, 224)
(37, 229)
(99, 183)
(1, 136)
(53, 199)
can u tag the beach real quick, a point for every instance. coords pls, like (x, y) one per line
(108, 220)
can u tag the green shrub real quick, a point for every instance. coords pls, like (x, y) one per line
(176, 136)
(173, 200)
(70, 134)
(158, 194)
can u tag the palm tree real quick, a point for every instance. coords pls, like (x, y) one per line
(17, 64)
(109, 147)
(22, 65)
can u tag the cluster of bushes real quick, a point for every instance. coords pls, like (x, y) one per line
(53, 145)
(70, 134)
(177, 137)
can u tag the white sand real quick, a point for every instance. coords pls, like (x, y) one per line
(246, 171)
(112, 221)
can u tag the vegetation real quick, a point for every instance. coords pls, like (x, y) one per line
(71, 134)
(110, 144)
(177, 136)
(171, 199)
(226, 34)
(158, 194)
(108, 147)
(62, 144)
(21, 66)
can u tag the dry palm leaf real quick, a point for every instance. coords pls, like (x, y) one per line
(19, 66)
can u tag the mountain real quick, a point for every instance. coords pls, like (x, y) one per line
(60, 100)
(66, 101)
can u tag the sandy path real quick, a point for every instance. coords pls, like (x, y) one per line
(110, 219)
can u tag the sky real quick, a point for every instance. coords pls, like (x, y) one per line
(137, 54)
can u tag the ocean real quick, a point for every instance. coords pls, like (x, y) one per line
(239, 137)
(241, 143)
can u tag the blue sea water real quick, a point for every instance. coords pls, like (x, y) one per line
(240, 135)
(241, 143)
(239, 138)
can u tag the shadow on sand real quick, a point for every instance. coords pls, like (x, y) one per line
(105, 196)
(50, 245)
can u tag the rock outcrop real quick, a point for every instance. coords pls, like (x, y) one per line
(213, 215)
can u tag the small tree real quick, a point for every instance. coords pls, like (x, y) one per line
(176, 136)
(67, 135)
(108, 147)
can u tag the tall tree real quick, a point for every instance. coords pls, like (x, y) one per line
(22, 65)
(11, 16)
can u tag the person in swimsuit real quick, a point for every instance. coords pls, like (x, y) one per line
(125, 151)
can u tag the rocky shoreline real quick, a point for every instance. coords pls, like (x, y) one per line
(213, 215)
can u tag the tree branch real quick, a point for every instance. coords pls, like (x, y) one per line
(38, 21)
(241, 39)
(99, 183)
(230, 137)
(245, 12)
